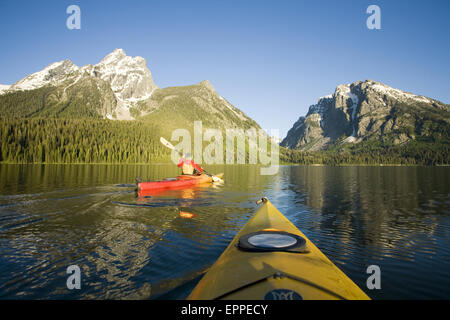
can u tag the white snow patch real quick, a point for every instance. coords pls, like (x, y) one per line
(89, 69)
(144, 97)
(399, 94)
(4, 88)
(317, 108)
(43, 77)
(326, 97)
(73, 83)
(350, 139)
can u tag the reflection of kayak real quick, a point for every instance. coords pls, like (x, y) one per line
(271, 259)
(182, 192)
(178, 182)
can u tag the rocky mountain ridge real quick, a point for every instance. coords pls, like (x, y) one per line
(366, 110)
(119, 87)
(129, 79)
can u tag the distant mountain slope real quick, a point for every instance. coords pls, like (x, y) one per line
(91, 98)
(117, 88)
(64, 113)
(179, 107)
(367, 111)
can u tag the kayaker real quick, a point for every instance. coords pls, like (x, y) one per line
(188, 166)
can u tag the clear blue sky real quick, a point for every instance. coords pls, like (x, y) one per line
(271, 59)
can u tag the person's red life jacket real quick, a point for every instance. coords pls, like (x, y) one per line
(190, 163)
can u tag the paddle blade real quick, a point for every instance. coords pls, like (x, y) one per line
(216, 179)
(166, 143)
(219, 175)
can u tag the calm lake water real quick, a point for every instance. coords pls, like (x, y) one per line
(129, 247)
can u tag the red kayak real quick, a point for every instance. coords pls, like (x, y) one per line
(178, 182)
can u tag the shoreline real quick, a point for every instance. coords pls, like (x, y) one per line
(224, 164)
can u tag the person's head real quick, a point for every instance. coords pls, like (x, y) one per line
(187, 167)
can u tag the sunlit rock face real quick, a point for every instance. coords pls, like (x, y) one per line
(361, 111)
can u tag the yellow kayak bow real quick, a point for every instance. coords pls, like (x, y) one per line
(271, 259)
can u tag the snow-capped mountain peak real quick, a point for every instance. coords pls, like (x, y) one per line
(398, 94)
(53, 74)
(130, 80)
(362, 111)
(128, 77)
(114, 56)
